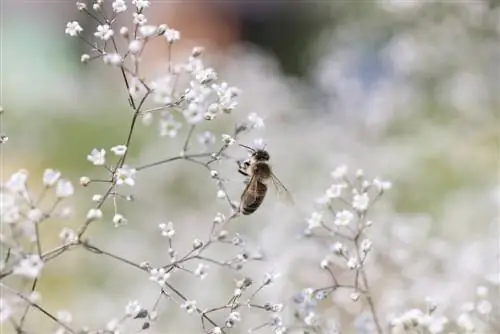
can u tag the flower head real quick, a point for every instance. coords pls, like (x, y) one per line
(125, 175)
(73, 28)
(30, 266)
(104, 32)
(97, 157)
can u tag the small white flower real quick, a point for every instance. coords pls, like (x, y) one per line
(97, 198)
(68, 235)
(35, 215)
(169, 127)
(484, 307)
(119, 6)
(189, 306)
(270, 277)
(315, 220)
(112, 59)
(219, 218)
(201, 271)
(233, 317)
(335, 190)
(5, 310)
(119, 150)
(141, 4)
(206, 76)
(30, 267)
(50, 177)
(148, 30)
(482, 291)
(227, 139)
(172, 35)
(96, 6)
(84, 181)
(135, 46)
(113, 326)
(167, 230)
(206, 138)
(124, 31)
(17, 181)
(97, 157)
(339, 172)
(84, 58)
(125, 175)
(343, 218)
(73, 28)
(80, 5)
(352, 263)
(64, 316)
(221, 193)
(64, 188)
(255, 121)
(338, 248)
(104, 32)
(366, 245)
(355, 296)
(382, 185)
(159, 275)
(118, 220)
(361, 202)
(139, 19)
(133, 308)
(94, 214)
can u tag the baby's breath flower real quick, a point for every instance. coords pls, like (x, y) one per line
(255, 121)
(201, 271)
(97, 197)
(17, 181)
(221, 193)
(124, 31)
(141, 4)
(113, 326)
(119, 150)
(172, 35)
(352, 263)
(197, 244)
(366, 245)
(339, 172)
(219, 218)
(84, 58)
(97, 157)
(5, 310)
(50, 177)
(64, 316)
(167, 230)
(148, 30)
(126, 175)
(112, 59)
(484, 307)
(354, 296)
(315, 220)
(81, 5)
(159, 275)
(64, 188)
(206, 138)
(133, 308)
(270, 277)
(169, 127)
(135, 46)
(68, 235)
(73, 28)
(35, 215)
(189, 306)
(30, 266)
(233, 318)
(337, 248)
(96, 6)
(382, 185)
(206, 76)
(335, 190)
(139, 19)
(94, 214)
(360, 202)
(119, 6)
(227, 139)
(343, 218)
(104, 32)
(118, 220)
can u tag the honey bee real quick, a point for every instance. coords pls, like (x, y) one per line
(258, 169)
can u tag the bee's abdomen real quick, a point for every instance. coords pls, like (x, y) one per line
(252, 200)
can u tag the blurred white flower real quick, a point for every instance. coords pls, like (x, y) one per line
(206, 76)
(159, 275)
(189, 306)
(382, 185)
(133, 308)
(227, 139)
(5, 310)
(167, 230)
(172, 35)
(119, 150)
(352, 263)
(169, 127)
(366, 245)
(482, 291)
(339, 172)
(97, 157)
(361, 202)
(94, 214)
(35, 215)
(484, 307)
(50, 177)
(64, 316)
(73, 28)
(64, 188)
(112, 59)
(104, 32)
(126, 175)
(141, 4)
(201, 271)
(68, 235)
(255, 121)
(139, 19)
(315, 220)
(135, 46)
(81, 5)
(335, 190)
(17, 181)
(221, 193)
(119, 220)
(148, 30)
(206, 138)
(119, 6)
(30, 266)
(343, 218)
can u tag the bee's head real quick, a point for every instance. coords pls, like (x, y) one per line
(260, 155)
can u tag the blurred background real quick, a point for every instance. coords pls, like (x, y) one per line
(406, 90)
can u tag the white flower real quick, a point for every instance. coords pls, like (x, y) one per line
(64, 316)
(124, 31)
(125, 175)
(337, 248)
(352, 263)
(206, 138)
(119, 150)
(167, 230)
(189, 306)
(169, 127)
(335, 190)
(118, 220)
(339, 172)
(113, 326)
(172, 35)
(141, 4)
(343, 218)
(73, 28)
(206, 76)
(31, 266)
(17, 181)
(97, 197)
(119, 6)
(201, 271)
(104, 32)
(139, 19)
(80, 5)
(366, 244)
(227, 139)
(94, 214)
(35, 215)
(64, 188)
(255, 121)
(112, 59)
(159, 275)
(270, 277)
(193, 113)
(382, 185)
(233, 317)
(50, 177)
(361, 202)
(315, 220)
(221, 193)
(482, 291)
(148, 30)
(97, 157)
(84, 58)
(135, 46)
(133, 308)
(5, 310)
(68, 235)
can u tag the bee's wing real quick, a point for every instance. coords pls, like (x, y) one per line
(283, 193)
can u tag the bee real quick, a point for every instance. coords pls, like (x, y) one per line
(258, 169)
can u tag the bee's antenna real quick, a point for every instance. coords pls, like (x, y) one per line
(247, 147)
